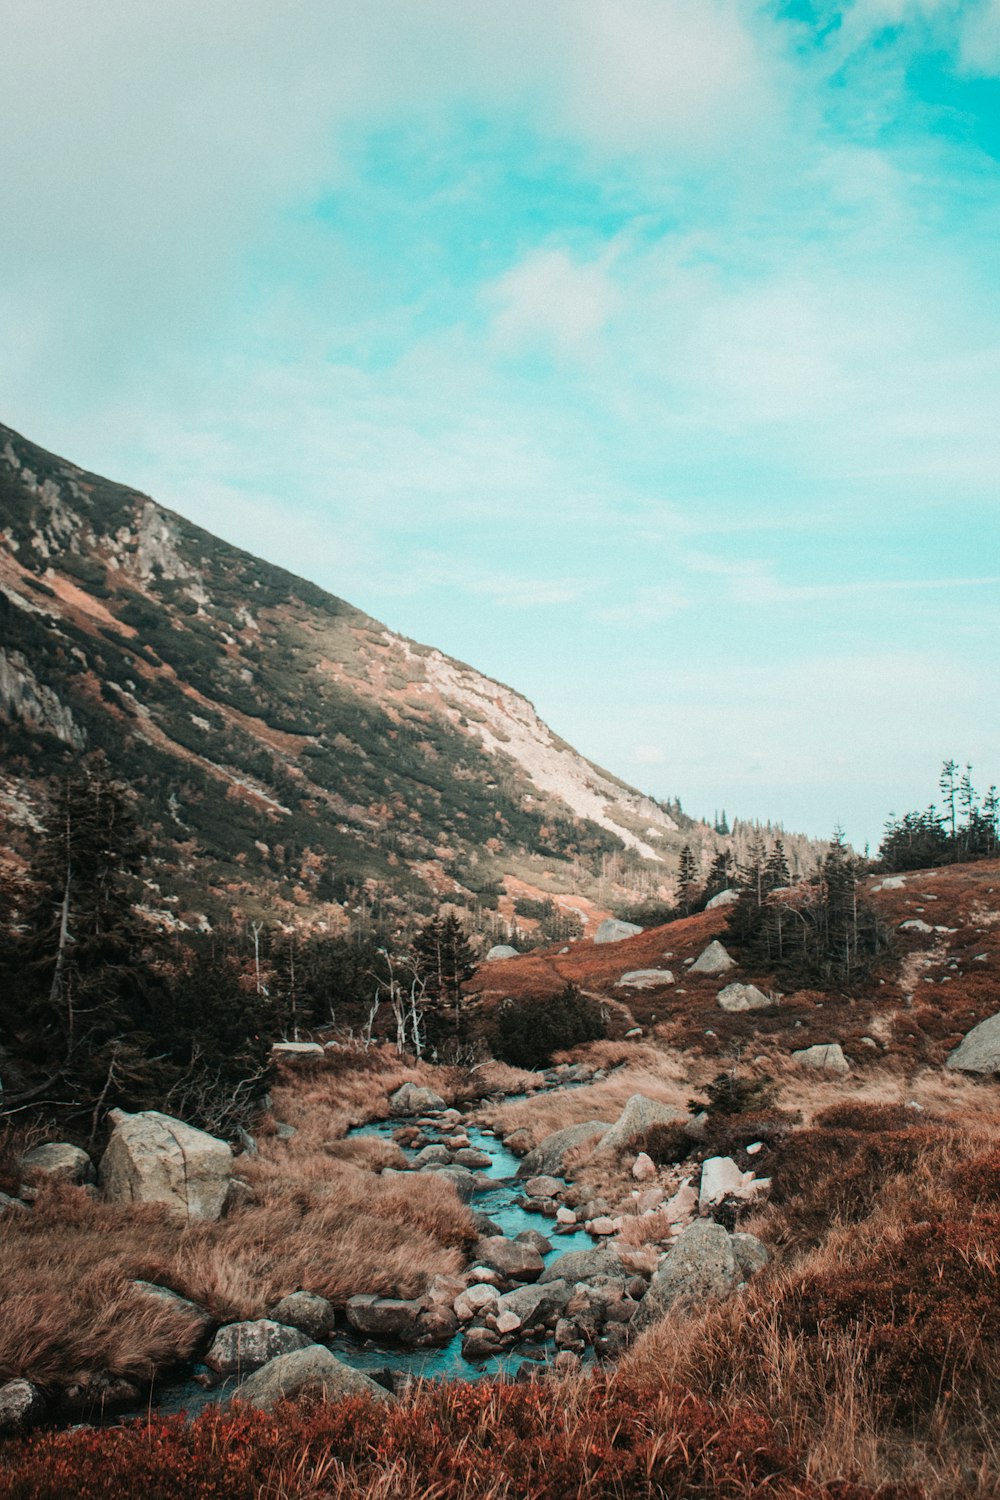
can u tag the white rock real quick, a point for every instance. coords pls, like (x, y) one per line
(602, 1225)
(682, 1205)
(472, 1301)
(508, 1321)
(737, 997)
(914, 924)
(644, 979)
(724, 898)
(152, 1158)
(297, 1049)
(722, 1178)
(713, 960)
(565, 1215)
(501, 951)
(644, 1168)
(828, 1055)
(613, 931)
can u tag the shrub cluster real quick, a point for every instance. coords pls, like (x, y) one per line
(527, 1032)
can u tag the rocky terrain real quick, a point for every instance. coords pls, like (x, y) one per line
(764, 1224)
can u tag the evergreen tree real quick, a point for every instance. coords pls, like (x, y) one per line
(443, 961)
(720, 874)
(687, 880)
(776, 871)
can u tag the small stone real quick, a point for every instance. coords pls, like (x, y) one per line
(643, 1168)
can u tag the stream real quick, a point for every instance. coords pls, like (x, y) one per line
(500, 1201)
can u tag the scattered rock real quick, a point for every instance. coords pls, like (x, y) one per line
(892, 883)
(979, 1049)
(474, 1300)
(724, 898)
(480, 1343)
(433, 1155)
(602, 1225)
(543, 1187)
(310, 1369)
(10, 1205)
(565, 1215)
(58, 1161)
(638, 1114)
(737, 997)
(21, 1406)
(828, 1055)
(613, 931)
(583, 1265)
(385, 1318)
(517, 1262)
(247, 1346)
(411, 1099)
(535, 1304)
(152, 1158)
(751, 1254)
(535, 1240)
(307, 1312)
(722, 1178)
(501, 950)
(485, 1227)
(914, 924)
(549, 1155)
(713, 960)
(469, 1156)
(465, 1183)
(239, 1195)
(644, 1168)
(644, 979)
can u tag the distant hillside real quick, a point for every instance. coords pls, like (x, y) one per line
(293, 755)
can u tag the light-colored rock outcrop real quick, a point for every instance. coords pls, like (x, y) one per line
(310, 1369)
(644, 979)
(979, 1049)
(637, 1115)
(737, 997)
(721, 1178)
(411, 1099)
(501, 951)
(724, 898)
(152, 1158)
(712, 960)
(613, 931)
(826, 1055)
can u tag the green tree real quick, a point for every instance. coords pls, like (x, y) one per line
(687, 880)
(443, 961)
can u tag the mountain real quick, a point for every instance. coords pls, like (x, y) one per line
(292, 754)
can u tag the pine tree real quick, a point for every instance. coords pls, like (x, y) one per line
(776, 872)
(687, 879)
(443, 961)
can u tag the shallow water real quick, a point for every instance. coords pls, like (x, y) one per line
(447, 1363)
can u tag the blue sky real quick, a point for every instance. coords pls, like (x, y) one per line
(643, 353)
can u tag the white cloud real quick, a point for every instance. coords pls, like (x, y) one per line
(979, 40)
(550, 297)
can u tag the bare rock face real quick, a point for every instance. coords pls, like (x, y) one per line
(311, 1369)
(411, 1099)
(613, 931)
(637, 1115)
(712, 960)
(979, 1050)
(826, 1055)
(737, 997)
(247, 1346)
(57, 1161)
(152, 1158)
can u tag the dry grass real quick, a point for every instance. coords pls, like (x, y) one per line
(663, 1078)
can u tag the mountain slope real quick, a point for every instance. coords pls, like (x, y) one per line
(282, 741)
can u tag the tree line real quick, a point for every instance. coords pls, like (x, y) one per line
(964, 827)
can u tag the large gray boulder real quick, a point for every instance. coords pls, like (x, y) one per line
(700, 1266)
(737, 997)
(307, 1312)
(310, 1369)
(644, 979)
(826, 1055)
(21, 1406)
(979, 1049)
(583, 1265)
(411, 1099)
(712, 960)
(548, 1157)
(613, 931)
(724, 898)
(511, 1259)
(385, 1318)
(501, 951)
(152, 1158)
(638, 1114)
(247, 1346)
(535, 1304)
(57, 1161)
(463, 1180)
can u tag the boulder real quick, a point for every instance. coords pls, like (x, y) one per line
(683, 1203)
(737, 997)
(465, 1183)
(385, 1317)
(307, 1312)
(152, 1158)
(167, 1298)
(644, 979)
(480, 1343)
(474, 1300)
(470, 1156)
(536, 1240)
(724, 898)
(914, 924)
(485, 1227)
(752, 1254)
(57, 1161)
(21, 1406)
(500, 951)
(433, 1156)
(612, 931)
(548, 1157)
(506, 1322)
(543, 1187)
(701, 1265)
(722, 1178)
(411, 1099)
(313, 1368)
(583, 1265)
(644, 1168)
(979, 1049)
(637, 1115)
(511, 1259)
(247, 1346)
(293, 1050)
(828, 1055)
(712, 960)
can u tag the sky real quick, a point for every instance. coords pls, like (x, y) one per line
(644, 354)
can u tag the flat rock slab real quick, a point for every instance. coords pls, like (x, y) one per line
(310, 1369)
(644, 979)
